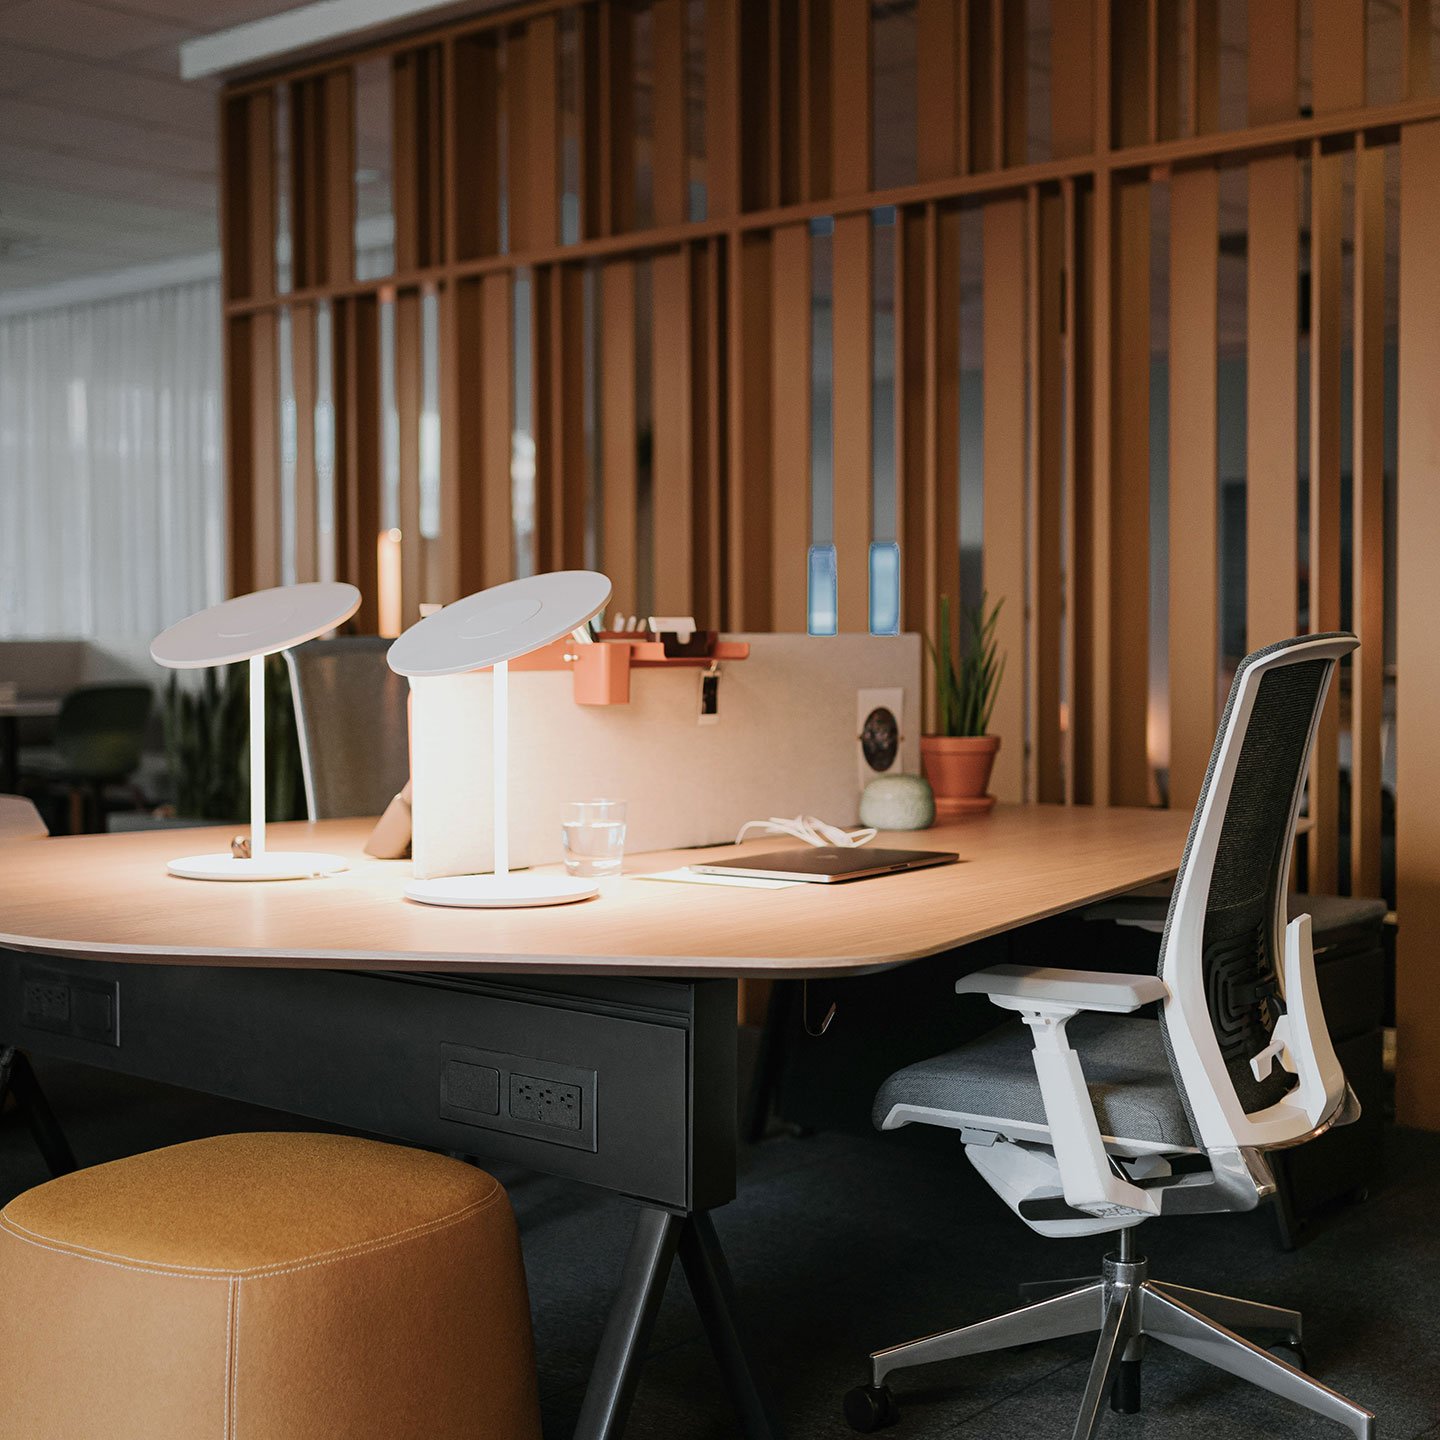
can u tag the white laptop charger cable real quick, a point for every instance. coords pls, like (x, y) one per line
(809, 829)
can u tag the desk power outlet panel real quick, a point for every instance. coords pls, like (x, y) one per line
(519, 1094)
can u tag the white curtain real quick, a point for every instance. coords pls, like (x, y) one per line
(111, 476)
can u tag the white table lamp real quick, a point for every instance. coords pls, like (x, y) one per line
(485, 630)
(250, 627)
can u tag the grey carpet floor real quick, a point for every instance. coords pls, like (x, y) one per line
(842, 1244)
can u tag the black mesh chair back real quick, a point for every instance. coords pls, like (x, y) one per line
(350, 711)
(1230, 892)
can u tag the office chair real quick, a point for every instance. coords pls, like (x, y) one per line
(1145, 1117)
(350, 711)
(99, 740)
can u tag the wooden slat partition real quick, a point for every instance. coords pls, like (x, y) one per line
(1417, 826)
(355, 325)
(853, 255)
(302, 369)
(497, 405)
(790, 406)
(1326, 240)
(1272, 330)
(1194, 574)
(1046, 426)
(1128, 513)
(1367, 667)
(499, 97)
(562, 540)
(674, 436)
(1004, 322)
(619, 559)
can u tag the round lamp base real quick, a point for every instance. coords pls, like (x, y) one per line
(501, 892)
(273, 865)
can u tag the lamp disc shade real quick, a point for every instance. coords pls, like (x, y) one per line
(500, 623)
(260, 623)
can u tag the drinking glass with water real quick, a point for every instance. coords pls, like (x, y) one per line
(594, 836)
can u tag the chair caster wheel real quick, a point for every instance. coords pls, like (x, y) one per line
(1293, 1353)
(871, 1407)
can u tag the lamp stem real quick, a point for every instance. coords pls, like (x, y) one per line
(500, 758)
(257, 756)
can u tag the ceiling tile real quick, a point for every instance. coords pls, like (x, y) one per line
(25, 121)
(77, 27)
(91, 89)
(203, 16)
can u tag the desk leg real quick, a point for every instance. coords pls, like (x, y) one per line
(17, 1077)
(709, 1277)
(658, 1236)
(627, 1331)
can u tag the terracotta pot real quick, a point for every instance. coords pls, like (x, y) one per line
(958, 769)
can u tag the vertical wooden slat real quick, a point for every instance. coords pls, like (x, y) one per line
(1417, 824)
(913, 488)
(497, 407)
(548, 442)
(722, 107)
(937, 88)
(1274, 85)
(541, 131)
(979, 80)
(563, 544)
(850, 87)
(338, 97)
(1194, 576)
(1078, 630)
(852, 368)
(1367, 666)
(816, 89)
(265, 450)
(674, 480)
(790, 363)
(1072, 78)
(239, 448)
(1338, 54)
(302, 368)
(1415, 37)
(1011, 98)
(617, 429)
(707, 409)
(668, 163)
(356, 328)
(1047, 461)
(1004, 330)
(474, 146)
(1204, 61)
(406, 160)
(1128, 569)
(748, 599)
(1326, 240)
(617, 117)
(1165, 32)
(1130, 100)
(408, 400)
(1272, 330)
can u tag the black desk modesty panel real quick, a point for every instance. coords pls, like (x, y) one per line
(595, 1079)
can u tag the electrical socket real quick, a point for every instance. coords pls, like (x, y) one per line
(545, 1102)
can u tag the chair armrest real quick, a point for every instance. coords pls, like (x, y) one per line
(1042, 989)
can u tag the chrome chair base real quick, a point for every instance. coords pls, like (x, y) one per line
(1125, 1307)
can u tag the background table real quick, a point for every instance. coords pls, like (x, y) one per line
(12, 712)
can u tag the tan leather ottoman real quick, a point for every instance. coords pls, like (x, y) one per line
(266, 1287)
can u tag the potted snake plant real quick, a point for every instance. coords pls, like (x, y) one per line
(958, 757)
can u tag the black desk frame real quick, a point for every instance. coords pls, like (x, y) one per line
(652, 1061)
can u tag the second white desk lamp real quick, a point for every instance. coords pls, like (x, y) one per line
(484, 630)
(250, 627)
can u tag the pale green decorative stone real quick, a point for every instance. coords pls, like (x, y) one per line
(898, 802)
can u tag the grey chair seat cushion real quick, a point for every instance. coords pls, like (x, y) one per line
(1123, 1058)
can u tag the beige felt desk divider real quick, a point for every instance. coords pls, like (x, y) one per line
(784, 743)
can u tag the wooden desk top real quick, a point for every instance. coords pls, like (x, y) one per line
(109, 897)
